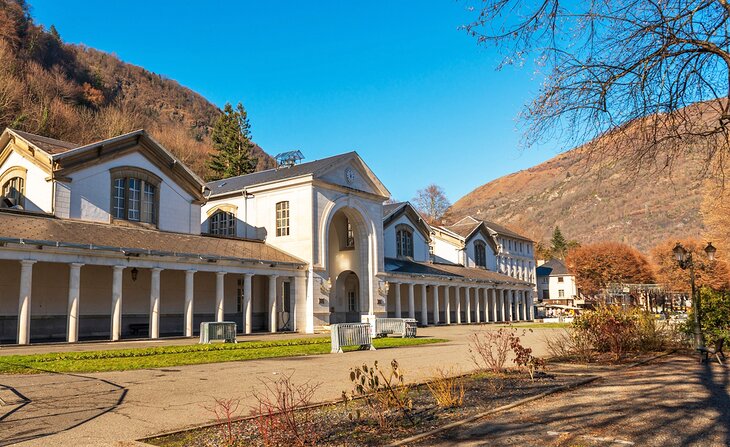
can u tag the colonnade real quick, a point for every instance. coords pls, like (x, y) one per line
(470, 303)
(117, 295)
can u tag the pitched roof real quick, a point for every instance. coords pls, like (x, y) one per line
(504, 231)
(446, 270)
(51, 146)
(464, 229)
(234, 184)
(467, 225)
(389, 208)
(554, 267)
(116, 238)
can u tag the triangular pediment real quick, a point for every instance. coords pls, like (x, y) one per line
(351, 172)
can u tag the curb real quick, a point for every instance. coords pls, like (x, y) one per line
(459, 423)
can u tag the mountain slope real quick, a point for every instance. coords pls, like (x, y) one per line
(79, 94)
(592, 202)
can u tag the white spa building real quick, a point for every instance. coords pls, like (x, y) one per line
(119, 239)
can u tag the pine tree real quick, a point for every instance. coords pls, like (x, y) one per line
(231, 139)
(558, 244)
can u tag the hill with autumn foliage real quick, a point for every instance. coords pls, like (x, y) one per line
(79, 94)
(594, 202)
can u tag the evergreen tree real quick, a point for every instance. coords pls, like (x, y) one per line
(231, 139)
(558, 244)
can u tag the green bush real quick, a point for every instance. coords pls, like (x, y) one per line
(715, 316)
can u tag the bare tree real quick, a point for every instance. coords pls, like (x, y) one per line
(651, 76)
(432, 203)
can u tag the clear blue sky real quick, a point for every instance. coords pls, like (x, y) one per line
(396, 81)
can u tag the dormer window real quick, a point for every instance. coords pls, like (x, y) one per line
(480, 254)
(135, 195)
(404, 241)
(222, 223)
(14, 190)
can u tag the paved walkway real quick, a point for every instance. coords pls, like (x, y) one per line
(673, 401)
(102, 408)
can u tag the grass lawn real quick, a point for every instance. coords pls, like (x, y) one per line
(167, 356)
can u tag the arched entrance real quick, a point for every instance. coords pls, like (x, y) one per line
(346, 300)
(347, 265)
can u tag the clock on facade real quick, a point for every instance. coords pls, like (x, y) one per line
(349, 175)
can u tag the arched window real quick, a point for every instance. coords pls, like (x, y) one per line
(14, 190)
(135, 195)
(404, 241)
(222, 223)
(480, 254)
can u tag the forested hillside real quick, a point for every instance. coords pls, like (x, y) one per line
(79, 94)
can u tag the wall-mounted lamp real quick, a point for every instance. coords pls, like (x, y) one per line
(134, 272)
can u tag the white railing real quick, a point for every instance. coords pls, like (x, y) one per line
(405, 327)
(351, 334)
(218, 331)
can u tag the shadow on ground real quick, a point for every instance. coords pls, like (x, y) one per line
(46, 404)
(673, 401)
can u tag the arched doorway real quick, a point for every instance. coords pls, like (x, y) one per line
(347, 265)
(345, 303)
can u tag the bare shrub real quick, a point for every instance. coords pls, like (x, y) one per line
(281, 416)
(489, 349)
(225, 412)
(570, 345)
(383, 394)
(524, 358)
(447, 388)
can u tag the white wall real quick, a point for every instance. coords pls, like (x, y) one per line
(568, 285)
(445, 251)
(91, 196)
(470, 253)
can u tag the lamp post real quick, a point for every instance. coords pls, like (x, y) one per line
(684, 259)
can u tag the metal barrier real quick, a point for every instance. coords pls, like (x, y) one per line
(405, 327)
(351, 334)
(218, 331)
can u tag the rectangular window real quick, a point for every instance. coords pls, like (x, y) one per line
(351, 302)
(119, 198)
(560, 279)
(561, 293)
(350, 235)
(546, 294)
(282, 219)
(239, 295)
(148, 203)
(135, 187)
(286, 296)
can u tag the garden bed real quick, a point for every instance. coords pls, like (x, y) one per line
(335, 427)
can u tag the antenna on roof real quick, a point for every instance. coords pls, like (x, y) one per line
(288, 159)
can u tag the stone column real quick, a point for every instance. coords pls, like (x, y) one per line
(220, 295)
(411, 303)
(530, 306)
(74, 291)
(457, 297)
(247, 310)
(155, 303)
(523, 307)
(467, 297)
(424, 306)
(447, 305)
(116, 330)
(493, 305)
(26, 286)
(189, 296)
(300, 302)
(477, 306)
(510, 308)
(436, 318)
(396, 296)
(272, 303)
